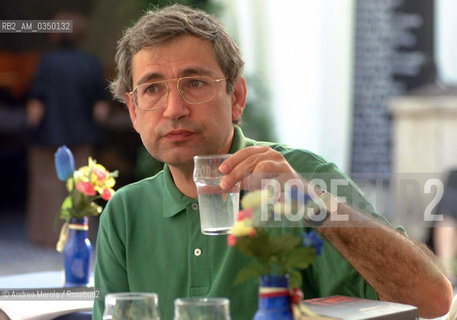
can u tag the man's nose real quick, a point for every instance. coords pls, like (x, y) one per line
(175, 106)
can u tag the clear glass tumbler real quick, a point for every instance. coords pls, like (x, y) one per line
(202, 309)
(131, 306)
(218, 207)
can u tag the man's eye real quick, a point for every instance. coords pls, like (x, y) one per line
(195, 83)
(151, 89)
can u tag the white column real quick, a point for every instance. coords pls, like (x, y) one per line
(303, 50)
(310, 52)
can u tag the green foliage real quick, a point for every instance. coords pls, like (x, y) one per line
(274, 254)
(275, 251)
(252, 270)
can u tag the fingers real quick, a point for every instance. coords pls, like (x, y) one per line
(251, 165)
(239, 156)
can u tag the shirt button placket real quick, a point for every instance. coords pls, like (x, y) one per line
(199, 273)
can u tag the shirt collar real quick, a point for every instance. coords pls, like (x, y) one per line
(174, 201)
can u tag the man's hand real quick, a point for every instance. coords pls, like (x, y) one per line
(252, 164)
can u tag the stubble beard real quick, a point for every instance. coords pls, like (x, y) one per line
(180, 154)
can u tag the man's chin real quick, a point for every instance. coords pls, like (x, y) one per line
(179, 158)
(182, 154)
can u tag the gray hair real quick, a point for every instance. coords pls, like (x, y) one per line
(159, 27)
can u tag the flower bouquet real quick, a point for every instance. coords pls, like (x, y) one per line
(85, 186)
(279, 254)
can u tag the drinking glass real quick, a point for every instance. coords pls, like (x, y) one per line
(131, 306)
(202, 309)
(218, 208)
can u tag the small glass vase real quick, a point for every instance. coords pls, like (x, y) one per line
(77, 253)
(274, 299)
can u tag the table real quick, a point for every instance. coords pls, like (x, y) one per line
(41, 296)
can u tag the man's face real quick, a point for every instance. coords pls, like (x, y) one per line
(180, 130)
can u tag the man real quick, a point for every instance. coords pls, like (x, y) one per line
(149, 237)
(66, 106)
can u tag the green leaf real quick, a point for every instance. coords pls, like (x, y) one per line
(295, 279)
(252, 270)
(255, 246)
(114, 173)
(91, 209)
(284, 242)
(64, 212)
(260, 246)
(67, 203)
(300, 258)
(242, 246)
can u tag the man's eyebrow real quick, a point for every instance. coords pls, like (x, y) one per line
(154, 76)
(149, 77)
(196, 71)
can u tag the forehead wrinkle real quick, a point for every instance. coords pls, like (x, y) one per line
(158, 64)
(149, 77)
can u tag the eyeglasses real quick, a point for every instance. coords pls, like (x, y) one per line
(193, 90)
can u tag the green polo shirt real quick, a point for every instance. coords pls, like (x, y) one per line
(149, 240)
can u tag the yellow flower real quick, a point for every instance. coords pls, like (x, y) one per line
(82, 174)
(254, 199)
(109, 182)
(241, 228)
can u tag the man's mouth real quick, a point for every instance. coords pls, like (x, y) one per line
(178, 135)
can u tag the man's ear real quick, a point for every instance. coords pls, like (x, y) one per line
(238, 98)
(132, 109)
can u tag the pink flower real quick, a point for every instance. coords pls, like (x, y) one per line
(100, 174)
(107, 194)
(86, 188)
(231, 240)
(252, 233)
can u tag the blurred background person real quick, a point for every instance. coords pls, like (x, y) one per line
(66, 106)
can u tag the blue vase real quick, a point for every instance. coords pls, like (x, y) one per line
(277, 307)
(77, 253)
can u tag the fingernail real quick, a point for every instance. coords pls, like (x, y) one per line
(223, 184)
(223, 168)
